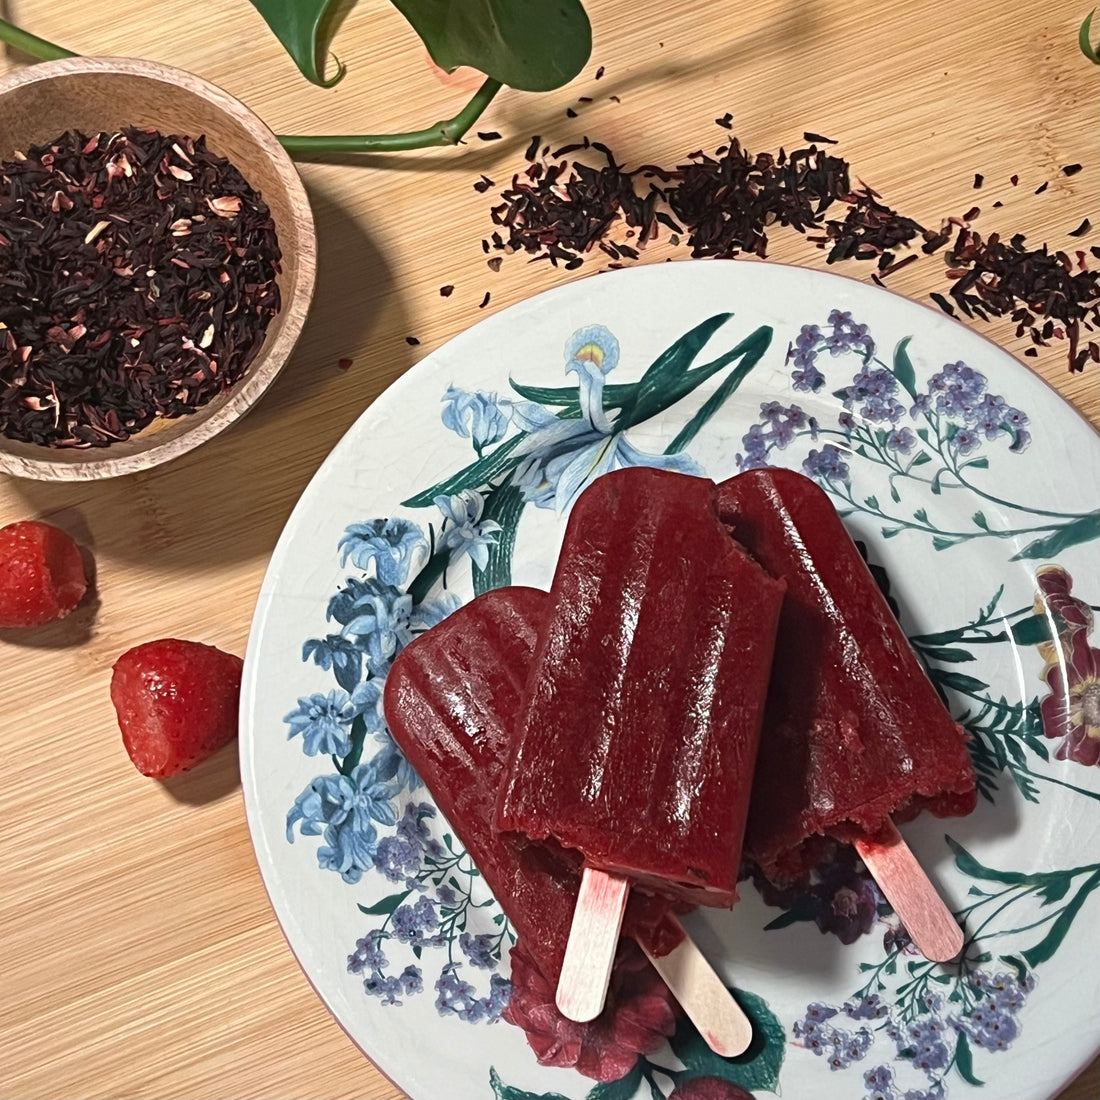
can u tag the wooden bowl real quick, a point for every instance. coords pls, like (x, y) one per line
(105, 93)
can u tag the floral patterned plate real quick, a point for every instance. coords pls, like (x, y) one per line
(975, 492)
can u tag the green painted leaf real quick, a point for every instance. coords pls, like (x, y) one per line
(922, 457)
(757, 1068)
(1050, 943)
(729, 385)
(531, 47)
(501, 1091)
(804, 908)
(921, 515)
(959, 681)
(871, 502)
(386, 906)
(903, 367)
(895, 496)
(977, 463)
(666, 378)
(622, 1089)
(953, 656)
(614, 396)
(979, 520)
(890, 532)
(475, 476)
(1082, 529)
(964, 1061)
(301, 25)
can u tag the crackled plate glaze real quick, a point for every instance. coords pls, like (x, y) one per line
(975, 491)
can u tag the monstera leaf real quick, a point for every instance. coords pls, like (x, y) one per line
(532, 45)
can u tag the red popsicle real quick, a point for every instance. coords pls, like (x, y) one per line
(451, 701)
(638, 738)
(855, 736)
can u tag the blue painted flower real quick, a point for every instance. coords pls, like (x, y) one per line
(339, 654)
(392, 764)
(344, 808)
(324, 721)
(391, 544)
(464, 531)
(378, 617)
(828, 463)
(479, 416)
(561, 457)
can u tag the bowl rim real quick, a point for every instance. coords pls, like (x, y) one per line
(97, 463)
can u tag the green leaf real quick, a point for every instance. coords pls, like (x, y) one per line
(921, 515)
(953, 656)
(622, 1089)
(501, 1091)
(964, 1061)
(614, 396)
(300, 25)
(1084, 40)
(1082, 529)
(939, 542)
(978, 463)
(890, 532)
(475, 476)
(979, 520)
(921, 458)
(669, 377)
(804, 908)
(757, 1068)
(903, 367)
(729, 385)
(958, 681)
(871, 502)
(386, 906)
(1017, 964)
(531, 47)
(895, 496)
(1050, 943)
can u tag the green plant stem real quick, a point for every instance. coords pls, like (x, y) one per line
(31, 43)
(447, 132)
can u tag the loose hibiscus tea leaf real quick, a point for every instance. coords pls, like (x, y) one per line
(137, 280)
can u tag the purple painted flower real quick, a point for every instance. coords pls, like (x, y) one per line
(827, 463)
(901, 440)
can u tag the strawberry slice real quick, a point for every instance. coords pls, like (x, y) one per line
(41, 574)
(176, 703)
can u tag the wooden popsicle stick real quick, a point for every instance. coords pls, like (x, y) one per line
(590, 949)
(709, 1005)
(907, 888)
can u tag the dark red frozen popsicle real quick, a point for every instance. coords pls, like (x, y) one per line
(638, 737)
(451, 701)
(855, 736)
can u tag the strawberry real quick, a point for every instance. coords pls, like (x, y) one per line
(176, 703)
(41, 574)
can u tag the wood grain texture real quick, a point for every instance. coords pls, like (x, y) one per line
(141, 956)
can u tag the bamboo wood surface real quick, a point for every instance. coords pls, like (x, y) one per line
(141, 957)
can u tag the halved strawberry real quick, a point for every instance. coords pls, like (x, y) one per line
(176, 703)
(41, 574)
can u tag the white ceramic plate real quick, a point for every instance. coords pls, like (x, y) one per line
(970, 482)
